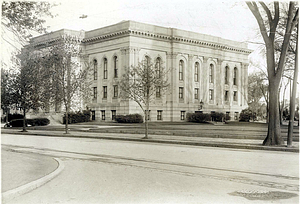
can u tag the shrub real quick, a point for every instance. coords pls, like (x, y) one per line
(218, 117)
(246, 115)
(13, 116)
(131, 118)
(38, 121)
(198, 117)
(227, 117)
(77, 117)
(17, 123)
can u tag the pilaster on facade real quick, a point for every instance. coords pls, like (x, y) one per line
(205, 81)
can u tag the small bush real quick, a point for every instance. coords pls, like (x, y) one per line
(13, 117)
(227, 117)
(17, 123)
(77, 117)
(246, 115)
(198, 117)
(218, 117)
(38, 121)
(131, 118)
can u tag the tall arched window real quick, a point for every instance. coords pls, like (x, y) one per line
(115, 66)
(235, 76)
(211, 73)
(105, 68)
(95, 69)
(181, 67)
(226, 74)
(196, 71)
(158, 67)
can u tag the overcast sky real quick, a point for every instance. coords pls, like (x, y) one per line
(227, 19)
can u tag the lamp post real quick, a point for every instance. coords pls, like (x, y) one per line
(201, 105)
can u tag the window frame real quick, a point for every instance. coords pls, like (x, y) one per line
(95, 69)
(94, 92)
(182, 115)
(196, 95)
(115, 67)
(235, 96)
(158, 67)
(113, 114)
(105, 92)
(116, 91)
(159, 114)
(196, 70)
(102, 114)
(211, 73)
(181, 68)
(105, 68)
(181, 91)
(226, 75)
(235, 76)
(226, 95)
(158, 92)
(211, 94)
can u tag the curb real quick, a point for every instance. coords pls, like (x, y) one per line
(11, 194)
(205, 144)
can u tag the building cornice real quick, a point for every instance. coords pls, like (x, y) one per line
(177, 39)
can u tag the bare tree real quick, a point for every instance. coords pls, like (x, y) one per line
(68, 74)
(143, 83)
(275, 70)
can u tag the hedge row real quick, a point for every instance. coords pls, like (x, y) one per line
(32, 122)
(198, 117)
(77, 117)
(131, 118)
(205, 117)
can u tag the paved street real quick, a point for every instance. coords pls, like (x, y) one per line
(104, 171)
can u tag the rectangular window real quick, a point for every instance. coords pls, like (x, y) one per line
(95, 93)
(181, 92)
(104, 91)
(234, 96)
(113, 114)
(158, 94)
(182, 115)
(103, 114)
(211, 94)
(115, 91)
(236, 115)
(93, 115)
(159, 115)
(226, 96)
(196, 93)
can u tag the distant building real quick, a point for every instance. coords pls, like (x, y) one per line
(208, 74)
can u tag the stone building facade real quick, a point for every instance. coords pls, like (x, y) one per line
(207, 73)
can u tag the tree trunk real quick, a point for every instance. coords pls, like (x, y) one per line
(6, 115)
(67, 121)
(146, 124)
(274, 131)
(293, 100)
(24, 120)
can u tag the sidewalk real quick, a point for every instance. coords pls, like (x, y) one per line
(169, 139)
(23, 172)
